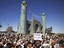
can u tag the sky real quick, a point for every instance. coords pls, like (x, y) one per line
(10, 13)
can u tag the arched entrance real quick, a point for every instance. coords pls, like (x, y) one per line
(36, 27)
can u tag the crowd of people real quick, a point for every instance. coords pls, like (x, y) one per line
(27, 41)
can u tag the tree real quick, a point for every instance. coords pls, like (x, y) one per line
(0, 27)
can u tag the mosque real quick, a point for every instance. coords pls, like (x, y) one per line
(33, 26)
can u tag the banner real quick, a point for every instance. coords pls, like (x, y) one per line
(37, 36)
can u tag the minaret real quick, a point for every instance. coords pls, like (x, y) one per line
(23, 18)
(43, 23)
(32, 26)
